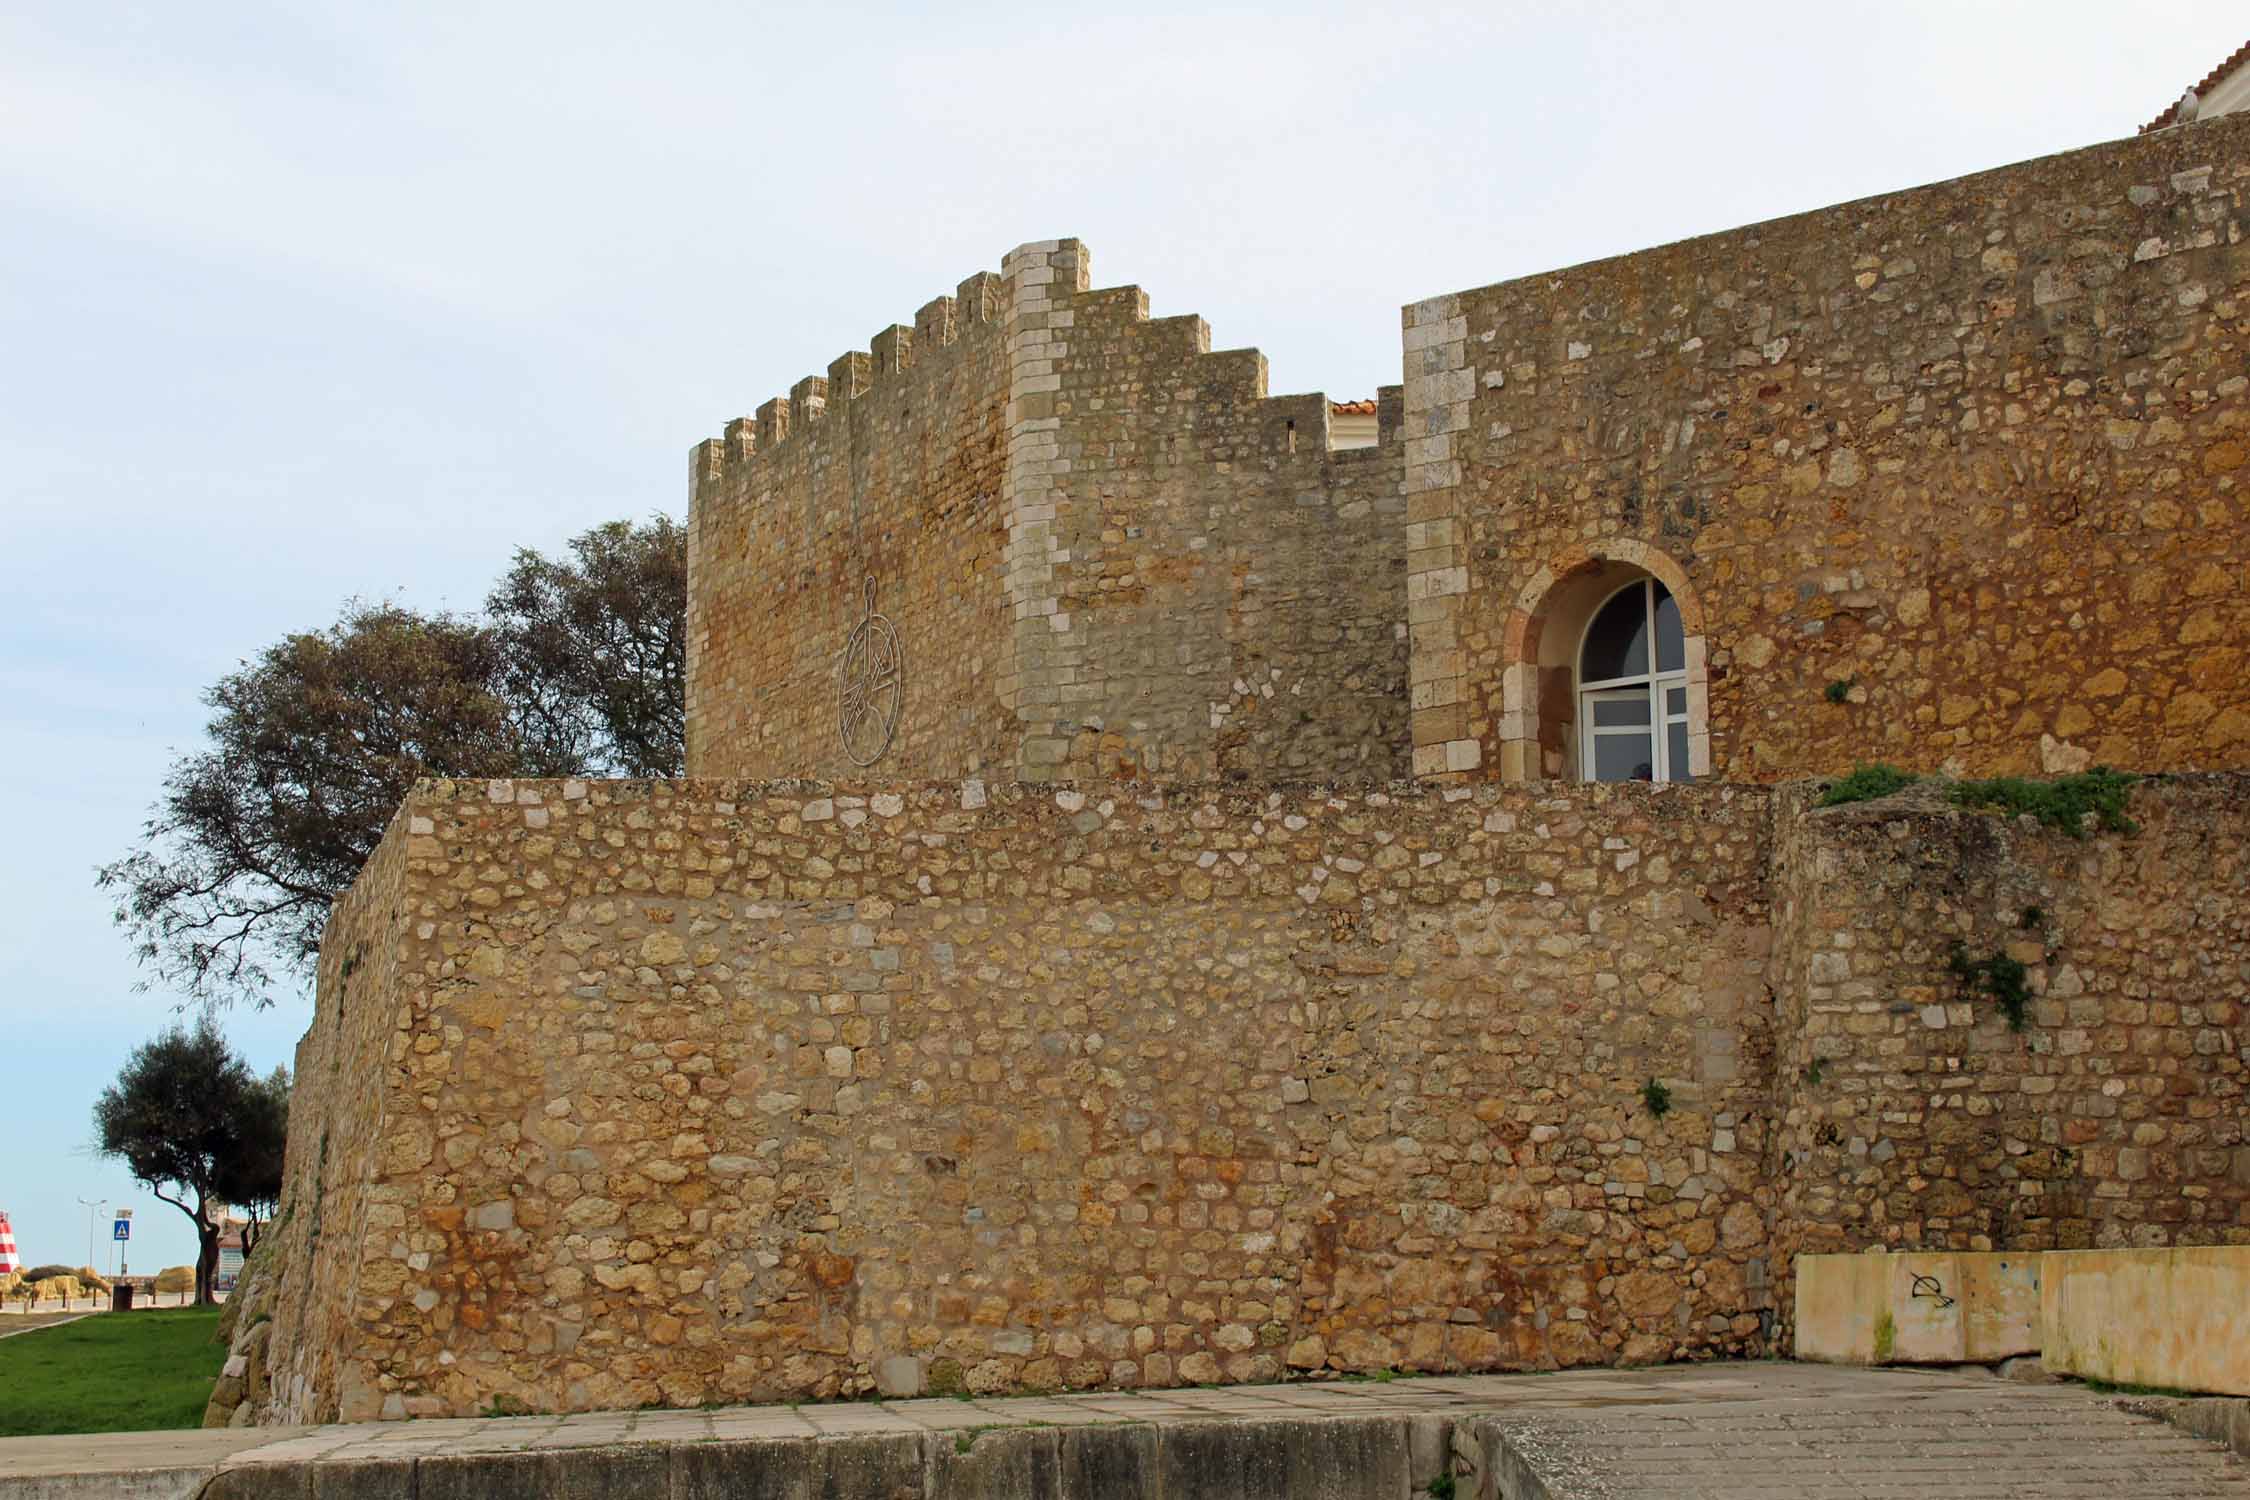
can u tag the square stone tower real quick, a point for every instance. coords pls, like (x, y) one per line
(1041, 534)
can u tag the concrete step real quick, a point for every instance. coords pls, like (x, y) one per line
(1812, 1431)
(1945, 1445)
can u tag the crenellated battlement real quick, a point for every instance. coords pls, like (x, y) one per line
(1059, 488)
(1054, 309)
(1173, 352)
(892, 354)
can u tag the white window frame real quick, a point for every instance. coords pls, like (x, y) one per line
(1658, 729)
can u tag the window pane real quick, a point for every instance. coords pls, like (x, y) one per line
(1617, 643)
(1675, 700)
(1670, 652)
(1619, 708)
(1675, 746)
(1624, 757)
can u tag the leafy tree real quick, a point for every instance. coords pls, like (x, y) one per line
(313, 744)
(599, 644)
(250, 1178)
(174, 1117)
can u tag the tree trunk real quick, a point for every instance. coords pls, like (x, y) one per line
(206, 1240)
(206, 1261)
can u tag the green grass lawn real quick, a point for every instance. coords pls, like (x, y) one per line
(113, 1372)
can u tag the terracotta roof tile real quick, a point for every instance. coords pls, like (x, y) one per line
(2210, 81)
(1352, 408)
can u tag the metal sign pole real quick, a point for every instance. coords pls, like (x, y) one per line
(120, 1232)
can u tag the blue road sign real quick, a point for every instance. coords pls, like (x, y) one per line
(122, 1230)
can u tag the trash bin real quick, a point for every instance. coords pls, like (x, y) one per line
(121, 1297)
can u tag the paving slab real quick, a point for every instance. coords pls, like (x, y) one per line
(1946, 1442)
(1812, 1432)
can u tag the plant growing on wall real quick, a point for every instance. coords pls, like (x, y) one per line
(1657, 1098)
(1866, 784)
(2003, 978)
(2063, 803)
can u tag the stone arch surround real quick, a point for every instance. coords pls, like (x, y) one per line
(1531, 614)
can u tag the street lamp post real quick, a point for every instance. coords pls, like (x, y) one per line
(93, 1214)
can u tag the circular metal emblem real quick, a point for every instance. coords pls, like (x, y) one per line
(871, 687)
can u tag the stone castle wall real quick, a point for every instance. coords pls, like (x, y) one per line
(1180, 1071)
(343, 1131)
(704, 1091)
(888, 470)
(1935, 476)
(1914, 1118)
(1974, 452)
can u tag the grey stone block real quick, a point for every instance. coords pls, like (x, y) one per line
(899, 1376)
(481, 1476)
(637, 1473)
(1364, 1459)
(1476, 1459)
(886, 1466)
(364, 1479)
(254, 1481)
(1020, 1463)
(1109, 1462)
(1326, 1459)
(1229, 1460)
(1429, 1449)
(1517, 1466)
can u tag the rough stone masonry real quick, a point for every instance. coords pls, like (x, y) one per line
(1202, 956)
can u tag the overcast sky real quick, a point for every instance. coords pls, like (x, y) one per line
(300, 302)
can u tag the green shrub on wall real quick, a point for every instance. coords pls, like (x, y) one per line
(2063, 803)
(1867, 783)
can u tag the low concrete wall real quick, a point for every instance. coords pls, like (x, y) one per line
(2172, 1319)
(2179, 1319)
(1939, 1308)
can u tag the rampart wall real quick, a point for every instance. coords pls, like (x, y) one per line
(1914, 1118)
(706, 1091)
(1973, 453)
(699, 1091)
(338, 1193)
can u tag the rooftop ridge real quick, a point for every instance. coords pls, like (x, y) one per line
(2201, 86)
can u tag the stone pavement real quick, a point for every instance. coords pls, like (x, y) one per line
(1990, 1442)
(1811, 1431)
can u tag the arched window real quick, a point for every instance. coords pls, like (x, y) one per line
(1633, 688)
